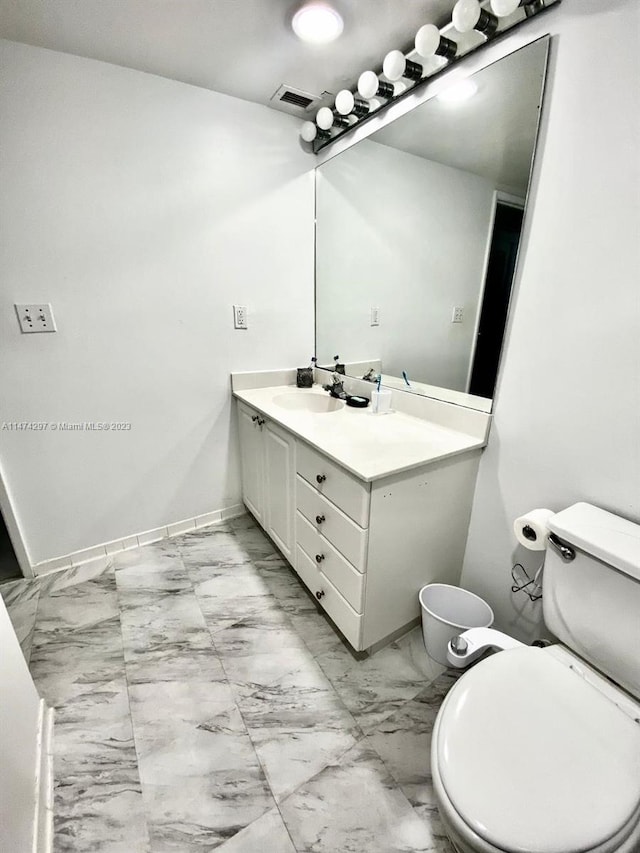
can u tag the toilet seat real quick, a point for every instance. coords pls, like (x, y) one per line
(531, 757)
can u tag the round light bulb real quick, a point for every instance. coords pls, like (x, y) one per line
(345, 102)
(394, 65)
(469, 15)
(502, 8)
(466, 14)
(317, 23)
(368, 84)
(427, 40)
(308, 131)
(324, 118)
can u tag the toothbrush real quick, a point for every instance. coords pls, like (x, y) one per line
(405, 377)
(379, 382)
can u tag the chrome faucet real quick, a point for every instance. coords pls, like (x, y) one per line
(336, 389)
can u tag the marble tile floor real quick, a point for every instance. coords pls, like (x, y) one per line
(204, 703)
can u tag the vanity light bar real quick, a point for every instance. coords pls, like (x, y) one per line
(474, 23)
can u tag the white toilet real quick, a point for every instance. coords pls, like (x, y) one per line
(537, 750)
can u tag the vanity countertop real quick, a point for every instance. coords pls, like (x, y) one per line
(369, 446)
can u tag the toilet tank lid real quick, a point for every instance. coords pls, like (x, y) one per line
(602, 534)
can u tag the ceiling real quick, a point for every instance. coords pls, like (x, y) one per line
(244, 48)
(492, 134)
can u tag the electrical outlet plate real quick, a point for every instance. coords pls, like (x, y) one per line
(458, 315)
(375, 316)
(240, 320)
(37, 317)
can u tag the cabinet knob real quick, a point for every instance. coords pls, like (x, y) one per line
(261, 421)
(319, 558)
(320, 478)
(319, 519)
(254, 418)
(319, 594)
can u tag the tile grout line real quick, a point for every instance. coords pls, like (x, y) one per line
(239, 710)
(133, 728)
(32, 633)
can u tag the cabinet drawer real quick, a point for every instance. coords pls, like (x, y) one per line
(345, 490)
(348, 537)
(347, 620)
(341, 573)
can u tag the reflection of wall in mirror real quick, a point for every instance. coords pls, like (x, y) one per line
(409, 236)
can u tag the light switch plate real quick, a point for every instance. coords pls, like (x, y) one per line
(375, 316)
(457, 316)
(37, 317)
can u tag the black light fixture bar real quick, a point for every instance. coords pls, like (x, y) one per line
(531, 9)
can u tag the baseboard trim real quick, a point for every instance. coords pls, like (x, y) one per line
(146, 537)
(43, 815)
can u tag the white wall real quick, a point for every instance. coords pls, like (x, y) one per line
(141, 208)
(390, 226)
(19, 728)
(567, 419)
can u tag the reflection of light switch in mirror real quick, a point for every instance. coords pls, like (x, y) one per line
(375, 316)
(457, 316)
(36, 318)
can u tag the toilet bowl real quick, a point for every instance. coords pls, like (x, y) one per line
(536, 750)
(529, 755)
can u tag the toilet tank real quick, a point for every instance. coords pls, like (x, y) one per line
(591, 602)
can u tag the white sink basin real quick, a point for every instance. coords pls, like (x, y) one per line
(306, 401)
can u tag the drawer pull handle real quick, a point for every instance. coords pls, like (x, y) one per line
(319, 519)
(319, 594)
(319, 558)
(320, 478)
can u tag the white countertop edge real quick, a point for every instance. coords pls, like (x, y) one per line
(467, 444)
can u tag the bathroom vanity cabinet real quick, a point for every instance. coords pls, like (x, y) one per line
(363, 547)
(268, 476)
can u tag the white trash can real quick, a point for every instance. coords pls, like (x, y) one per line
(448, 611)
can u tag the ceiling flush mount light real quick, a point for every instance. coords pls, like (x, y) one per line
(396, 65)
(347, 104)
(459, 92)
(317, 23)
(429, 42)
(469, 15)
(369, 86)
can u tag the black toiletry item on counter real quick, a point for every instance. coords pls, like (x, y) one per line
(304, 376)
(357, 402)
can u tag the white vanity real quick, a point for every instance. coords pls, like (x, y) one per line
(366, 508)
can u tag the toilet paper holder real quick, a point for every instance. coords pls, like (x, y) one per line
(531, 586)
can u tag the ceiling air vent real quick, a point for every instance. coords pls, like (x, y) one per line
(294, 100)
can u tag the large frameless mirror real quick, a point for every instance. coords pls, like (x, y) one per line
(417, 235)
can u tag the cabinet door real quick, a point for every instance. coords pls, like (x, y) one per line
(252, 460)
(279, 451)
